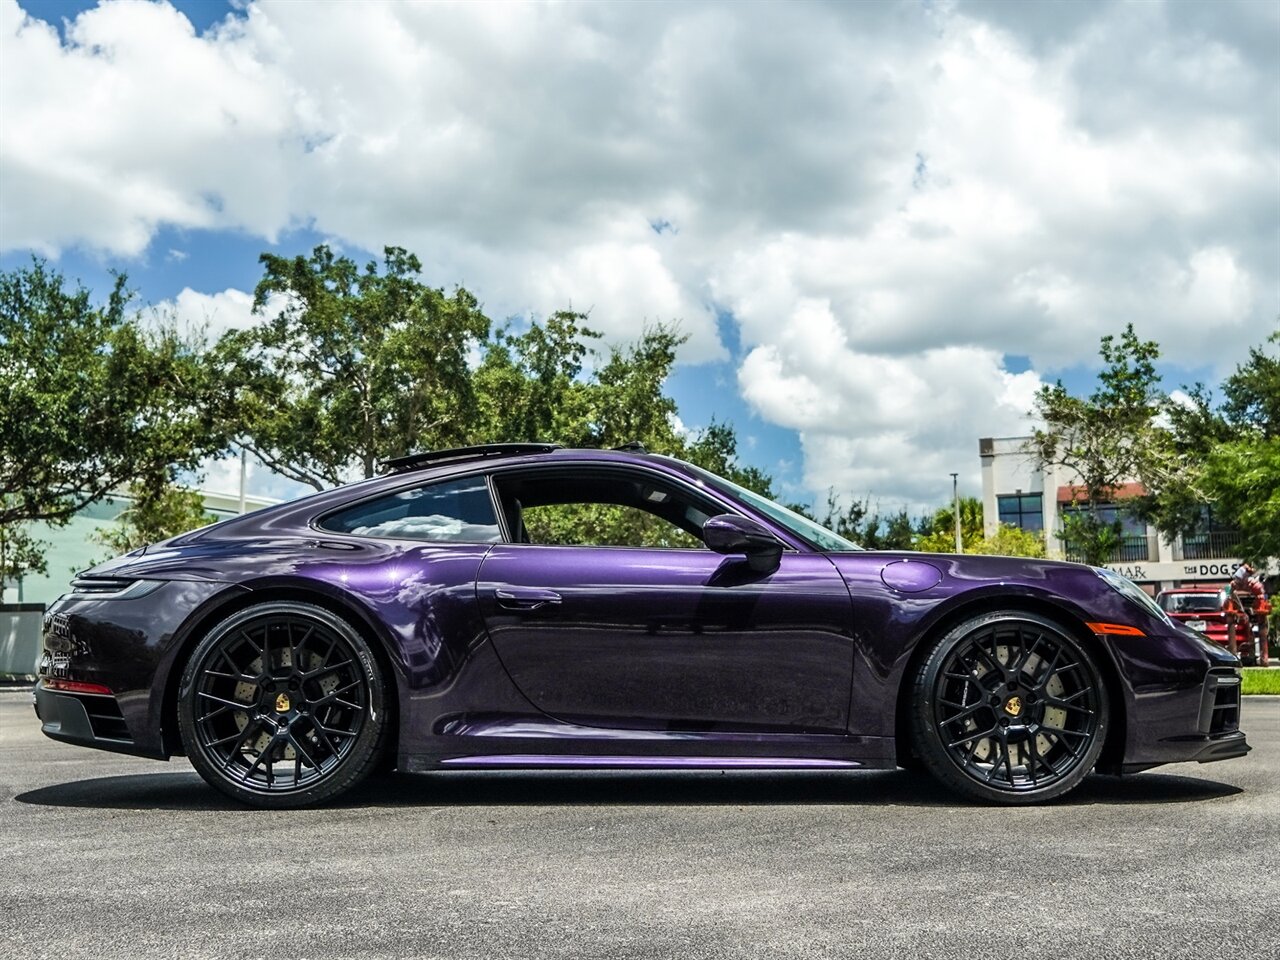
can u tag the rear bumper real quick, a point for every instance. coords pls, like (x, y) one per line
(87, 720)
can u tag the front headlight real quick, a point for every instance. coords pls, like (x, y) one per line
(1132, 592)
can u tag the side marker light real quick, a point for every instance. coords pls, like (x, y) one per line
(1115, 629)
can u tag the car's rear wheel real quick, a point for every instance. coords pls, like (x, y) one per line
(283, 705)
(1009, 708)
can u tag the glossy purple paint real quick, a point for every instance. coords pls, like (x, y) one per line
(648, 657)
(910, 576)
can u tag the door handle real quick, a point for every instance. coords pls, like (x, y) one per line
(525, 598)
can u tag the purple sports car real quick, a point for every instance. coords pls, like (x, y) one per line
(434, 618)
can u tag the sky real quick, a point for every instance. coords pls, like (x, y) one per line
(881, 225)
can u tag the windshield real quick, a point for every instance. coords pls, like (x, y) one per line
(1191, 602)
(811, 533)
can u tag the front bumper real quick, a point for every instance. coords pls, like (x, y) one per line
(1216, 734)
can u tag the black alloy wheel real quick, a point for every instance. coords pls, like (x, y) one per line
(1009, 708)
(282, 705)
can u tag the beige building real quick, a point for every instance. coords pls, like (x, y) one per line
(72, 547)
(1015, 490)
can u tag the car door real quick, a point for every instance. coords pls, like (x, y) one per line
(643, 637)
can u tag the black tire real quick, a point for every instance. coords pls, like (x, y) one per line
(283, 685)
(1010, 708)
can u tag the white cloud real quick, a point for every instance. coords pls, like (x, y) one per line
(222, 475)
(917, 189)
(912, 416)
(215, 313)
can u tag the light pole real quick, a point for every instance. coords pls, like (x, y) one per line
(243, 471)
(955, 500)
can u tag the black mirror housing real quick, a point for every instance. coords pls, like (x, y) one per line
(732, 534)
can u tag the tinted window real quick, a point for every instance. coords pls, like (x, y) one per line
(602, 506)
(453, 511)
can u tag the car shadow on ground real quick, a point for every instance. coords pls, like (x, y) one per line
(186, 791)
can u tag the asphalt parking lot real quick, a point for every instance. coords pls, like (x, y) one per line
(107, 856)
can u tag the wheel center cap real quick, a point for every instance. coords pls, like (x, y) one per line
(1013, 706)
(282, 703)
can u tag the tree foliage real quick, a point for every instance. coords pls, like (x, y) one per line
(350, 367)
(156, 511)
(938, 534)
(1225, 457)
(355, 366)
(1106, 439)
(862, 522)
(93, 399)
(1009, 541)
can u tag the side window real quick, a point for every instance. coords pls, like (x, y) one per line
(604, 525)
(602, 507)
(452, 511)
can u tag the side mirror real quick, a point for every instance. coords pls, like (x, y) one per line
(730, 533)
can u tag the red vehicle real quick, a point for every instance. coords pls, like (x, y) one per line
(1214, 611)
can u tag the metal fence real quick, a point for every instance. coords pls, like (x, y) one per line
(1202, 546)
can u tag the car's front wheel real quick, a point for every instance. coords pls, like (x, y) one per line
(282, 704)
(1009, 708)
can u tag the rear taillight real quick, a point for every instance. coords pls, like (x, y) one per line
(109, 588)
(77, 686)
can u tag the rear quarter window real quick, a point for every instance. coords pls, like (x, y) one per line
(450, 511)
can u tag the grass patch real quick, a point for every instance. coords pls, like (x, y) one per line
(1260, 680)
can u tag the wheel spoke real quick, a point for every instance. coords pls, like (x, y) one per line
(236, 704)
(301, 751)
(321, 670)
(995, 759)
(218, 711)
(1068, 705)
(322, 734)
(250, 728)
(1027, 651)
(966, 712)
(1064, 733)
(972, 736)
(271, 745)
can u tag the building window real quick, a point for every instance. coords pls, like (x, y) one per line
(1109, 513)
(1022, 510)
(1210, 538)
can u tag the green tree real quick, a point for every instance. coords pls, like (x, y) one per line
(1106, 439)
(863, 524)
(1242, 477)
(356, 366)
(1225, 457)
(620, 401)
(91, 401)
(157, 511)
(939, 534)
(529, 386)
(1009, 541)
(20, 553)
